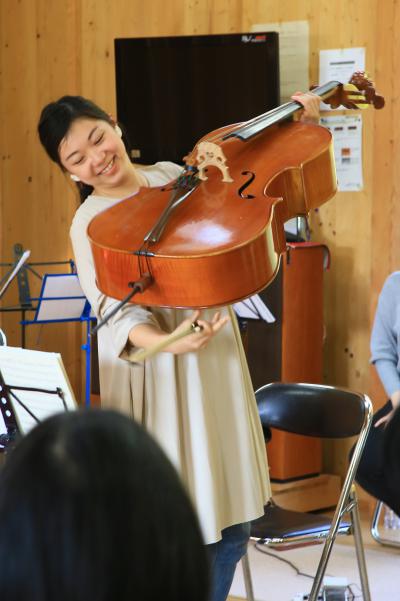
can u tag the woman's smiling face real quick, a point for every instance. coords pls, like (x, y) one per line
(93, 151)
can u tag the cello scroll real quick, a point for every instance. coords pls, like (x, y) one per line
(359, 93)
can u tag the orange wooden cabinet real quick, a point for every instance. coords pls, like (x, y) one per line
(290, 349)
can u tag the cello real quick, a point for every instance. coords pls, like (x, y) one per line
(215, 235)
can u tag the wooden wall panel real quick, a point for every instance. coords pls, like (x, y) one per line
(53, 48)
(39, 61)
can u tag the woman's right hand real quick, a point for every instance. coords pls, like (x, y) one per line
(148, 336)
(198, 340)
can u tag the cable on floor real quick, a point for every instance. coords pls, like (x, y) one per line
(300, 573)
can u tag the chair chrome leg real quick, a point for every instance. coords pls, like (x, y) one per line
(362, 566)
(313, 596)
(375, 521)
(326, 553)
(375, 528)
(247, 578)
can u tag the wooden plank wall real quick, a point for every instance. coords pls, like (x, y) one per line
(52, 48)
(40, 44)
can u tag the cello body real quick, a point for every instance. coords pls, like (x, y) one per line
(224, 241)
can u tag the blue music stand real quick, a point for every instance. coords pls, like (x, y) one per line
(62, 300)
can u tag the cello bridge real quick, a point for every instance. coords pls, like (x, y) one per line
(211, 155)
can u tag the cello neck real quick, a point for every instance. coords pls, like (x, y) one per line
(280, 113)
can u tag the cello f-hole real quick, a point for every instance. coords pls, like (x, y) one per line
(246, 185)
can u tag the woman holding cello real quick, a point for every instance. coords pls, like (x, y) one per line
(196, 397)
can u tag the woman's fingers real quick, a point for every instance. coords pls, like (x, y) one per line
(210, 328)
(198, 339)
(216, 317)
(311, 104)
(195, 315)
(220, 323)
(385, 419)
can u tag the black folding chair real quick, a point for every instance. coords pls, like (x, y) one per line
(324, 412)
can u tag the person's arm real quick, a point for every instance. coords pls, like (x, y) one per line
(147, 336)
(384, 350)
(389, 376)
(395, 398)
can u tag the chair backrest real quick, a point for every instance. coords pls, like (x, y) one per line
(313, 409)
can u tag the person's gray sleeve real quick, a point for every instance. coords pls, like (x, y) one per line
(384, 337)
(388, 375)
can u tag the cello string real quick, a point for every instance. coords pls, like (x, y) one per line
(183, 181)
(269, 114)
(144, 258)
(277, 114)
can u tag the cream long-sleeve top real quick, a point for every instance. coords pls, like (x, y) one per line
(199, 406)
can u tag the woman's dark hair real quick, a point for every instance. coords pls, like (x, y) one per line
(91, 509)
(55, 121)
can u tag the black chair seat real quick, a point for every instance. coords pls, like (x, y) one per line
(285, 524)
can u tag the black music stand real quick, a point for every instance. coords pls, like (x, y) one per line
(54, 304)
(19, 269)
(34, 385)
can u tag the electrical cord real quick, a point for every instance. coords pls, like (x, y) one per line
(354, 596)
(260, 549)
(292, 565)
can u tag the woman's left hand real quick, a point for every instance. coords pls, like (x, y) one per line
(311, 103)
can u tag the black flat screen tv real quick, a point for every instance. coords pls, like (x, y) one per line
(171, 91)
